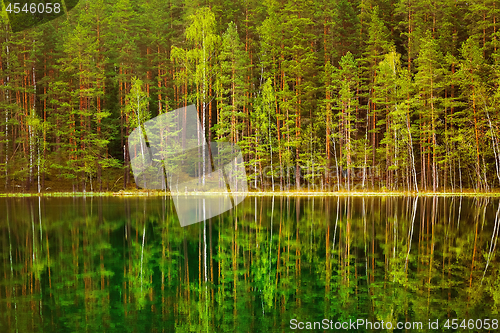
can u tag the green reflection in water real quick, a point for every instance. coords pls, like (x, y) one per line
(125, 265)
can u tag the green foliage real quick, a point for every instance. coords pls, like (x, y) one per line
(311, 91)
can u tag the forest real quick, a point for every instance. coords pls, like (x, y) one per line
(396, 95)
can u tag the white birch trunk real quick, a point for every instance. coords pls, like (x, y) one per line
(203, 143)
(35, 134)
(495, 146)
(141, 137)
(412, 155)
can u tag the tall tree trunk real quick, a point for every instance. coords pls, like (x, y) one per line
(7, 99)
(478, 174)
(434, 171)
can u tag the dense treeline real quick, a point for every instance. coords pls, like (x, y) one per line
(319, 94)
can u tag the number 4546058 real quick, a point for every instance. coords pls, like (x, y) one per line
(472, 324)
(33, 8)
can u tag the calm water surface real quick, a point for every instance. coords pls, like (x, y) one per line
(125, 264)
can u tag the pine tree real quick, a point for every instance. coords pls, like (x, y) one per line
(299, 68)
(347, 81)
(230, 86)
(377, 46)
(474, 90)
(430, 82)
(197, 63)
(122, 40)
(394, 85)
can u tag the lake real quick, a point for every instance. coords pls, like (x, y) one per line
(271, 264)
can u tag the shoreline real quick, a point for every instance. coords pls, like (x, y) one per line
(257, 194)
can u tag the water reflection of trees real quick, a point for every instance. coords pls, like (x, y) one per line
(109, 264)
